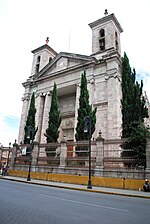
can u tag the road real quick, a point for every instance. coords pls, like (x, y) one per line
(33, 204)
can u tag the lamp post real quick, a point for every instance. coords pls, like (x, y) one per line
(8, 155)
(30, 135)
(87, 129)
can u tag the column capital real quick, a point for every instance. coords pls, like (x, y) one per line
(26, 97)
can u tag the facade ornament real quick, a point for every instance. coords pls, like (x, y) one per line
(113, 75)
(106, 77)
(78, 84)
(99, 138)
(68, 123)
(49, 93)
(116, 75)
(27, 97)
(92, 81)
(36, 95)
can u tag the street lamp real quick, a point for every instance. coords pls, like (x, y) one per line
(8, 155)
(87, 129)
(30, 135)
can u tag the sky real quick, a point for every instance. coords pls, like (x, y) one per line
(25, 24)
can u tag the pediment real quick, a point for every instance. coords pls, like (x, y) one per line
(62, 62)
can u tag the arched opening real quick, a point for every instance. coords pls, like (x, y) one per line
(102, 33)
(102, 39)
(116, 40)
(38, 63)
(38, 59)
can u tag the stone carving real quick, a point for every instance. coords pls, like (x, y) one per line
(27, 97)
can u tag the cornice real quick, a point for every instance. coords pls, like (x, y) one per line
(107, 19)
(45, 46)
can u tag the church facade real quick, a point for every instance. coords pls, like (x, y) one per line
(103, 72)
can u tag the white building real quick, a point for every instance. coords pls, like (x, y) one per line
(103, 70)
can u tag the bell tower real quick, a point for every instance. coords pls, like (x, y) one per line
(41, 57)
(105, 35)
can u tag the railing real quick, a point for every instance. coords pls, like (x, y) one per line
(73, 156)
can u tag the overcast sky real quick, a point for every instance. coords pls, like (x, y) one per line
(25, 24)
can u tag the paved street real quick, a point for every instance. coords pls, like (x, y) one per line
(25, 203)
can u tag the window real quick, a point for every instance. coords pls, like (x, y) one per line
(37, 68)
(38, 59)
(38, 64)
(116, 40)
(102, 39)
(102, 33)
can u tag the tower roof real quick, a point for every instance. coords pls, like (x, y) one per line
(106, 19)
(45, 46)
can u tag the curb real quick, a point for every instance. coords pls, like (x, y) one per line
(80, 189)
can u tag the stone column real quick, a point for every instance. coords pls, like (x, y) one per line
(35, 155)
(24, 114)
(114, 115)
(100, 156)
(63, 154)
(147, 173)
(39, 104)
(45, 116)
(14, 155)
(76, 106)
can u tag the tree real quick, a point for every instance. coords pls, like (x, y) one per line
(85, 109)
(30, 120)
(133, 113)
(128, 80)
(52, 132)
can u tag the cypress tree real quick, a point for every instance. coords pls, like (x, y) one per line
(85, 109)
(133, 113)
(52, 132)
(30, 119)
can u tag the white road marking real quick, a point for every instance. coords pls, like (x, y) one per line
(85, 203)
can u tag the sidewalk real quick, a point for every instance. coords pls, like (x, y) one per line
(104, 190)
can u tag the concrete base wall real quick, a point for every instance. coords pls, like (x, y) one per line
(121, 183)
(84, 171)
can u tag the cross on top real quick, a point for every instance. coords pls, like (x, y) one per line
(106, 12)
(47, 40)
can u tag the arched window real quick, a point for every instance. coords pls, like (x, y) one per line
(38, 64)
(102, 39)
(102, 33)
(38, 59)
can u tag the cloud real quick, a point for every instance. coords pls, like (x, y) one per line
(8, 129)
(145, 76)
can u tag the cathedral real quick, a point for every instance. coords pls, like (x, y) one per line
(103, 72)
